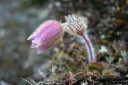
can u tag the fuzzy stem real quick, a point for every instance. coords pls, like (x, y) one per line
(89, 48)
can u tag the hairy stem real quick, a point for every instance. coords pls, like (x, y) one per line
(89, 48)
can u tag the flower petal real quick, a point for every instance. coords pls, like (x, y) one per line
(40, 29)
(51, 35)
(34, 45)
(42, 49)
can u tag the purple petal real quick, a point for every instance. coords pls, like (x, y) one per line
(39, 30)
(42, 49)
(34, 45)
(36, 40)
(50, 35)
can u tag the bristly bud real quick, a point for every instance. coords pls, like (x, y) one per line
(46, 35)
(77, 26)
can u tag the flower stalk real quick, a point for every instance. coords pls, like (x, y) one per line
(89, 48)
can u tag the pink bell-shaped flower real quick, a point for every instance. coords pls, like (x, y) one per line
(46, 35)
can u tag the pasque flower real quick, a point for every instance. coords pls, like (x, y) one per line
(77, 26)
(46, 35)
(49, 32)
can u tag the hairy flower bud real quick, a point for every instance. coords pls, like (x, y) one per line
(46, 35)
(77, 26)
